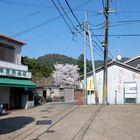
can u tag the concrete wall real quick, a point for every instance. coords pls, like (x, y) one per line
(4, 95)
(69, 94)
(56, 92)
(138, 91)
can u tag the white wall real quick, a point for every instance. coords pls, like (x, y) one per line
(138, 91)
(4, 95)
(18, 50)
(117, 76)
(99, 77)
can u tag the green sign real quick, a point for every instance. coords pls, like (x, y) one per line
(12, 72)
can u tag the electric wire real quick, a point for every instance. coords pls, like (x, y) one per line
(23, 3)
(20, 19)
(62, 16)
(72, 12)
(96, 46)
(65, 13)
(67, 16)
(48, 21)
(111, 56)
(120, 35)
(73, 24)
(103, 4)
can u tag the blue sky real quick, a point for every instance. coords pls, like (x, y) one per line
(18, 19)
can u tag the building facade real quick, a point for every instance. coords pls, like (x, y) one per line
(123, 84)
(15, 79)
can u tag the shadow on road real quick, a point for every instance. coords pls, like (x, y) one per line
(11, 124)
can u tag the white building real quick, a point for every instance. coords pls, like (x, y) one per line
(14, 77)
(123, 84)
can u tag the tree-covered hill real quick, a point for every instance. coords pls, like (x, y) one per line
(43, 66)
(51, 59)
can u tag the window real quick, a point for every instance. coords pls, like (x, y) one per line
(130, 100)
(7, 53)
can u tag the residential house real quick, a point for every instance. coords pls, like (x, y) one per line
(15, 79)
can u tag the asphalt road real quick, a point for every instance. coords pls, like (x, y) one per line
(72, 122)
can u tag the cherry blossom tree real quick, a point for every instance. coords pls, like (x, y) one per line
(66, 74)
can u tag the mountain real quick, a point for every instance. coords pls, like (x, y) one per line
(51, 59)
(43, 66)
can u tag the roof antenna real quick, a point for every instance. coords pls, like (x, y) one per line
(118, 55)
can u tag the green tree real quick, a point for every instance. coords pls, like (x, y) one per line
(51, 59)
(36, 68)
(80, 63)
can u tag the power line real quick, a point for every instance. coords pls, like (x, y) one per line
(20, 19)
(129, 12)
(126, 21)
(66, 15)
(122, 35)
(122, 24)
(100, 46)
(48, 21)
(119, 23)
(103, 4)
(62, 16)
(96, 46)
(72, 12)
(37, 26)
(102, 23)
(28, 30)
(25, 4)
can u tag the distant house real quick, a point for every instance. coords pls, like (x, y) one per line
(123, 84)
(15, 79)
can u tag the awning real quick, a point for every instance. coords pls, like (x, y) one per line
(11, 82)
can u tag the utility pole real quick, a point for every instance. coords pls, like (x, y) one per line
(85, 63)
(105, 84)
(93, 67)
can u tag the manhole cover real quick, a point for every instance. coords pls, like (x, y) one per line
(50, 131)
(44, 110)
(44, 116)
(44, 122)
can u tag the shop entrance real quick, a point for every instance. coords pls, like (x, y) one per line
(15, 97)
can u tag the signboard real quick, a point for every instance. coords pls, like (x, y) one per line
(90, 84)
(14, 73)
(130, 88)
